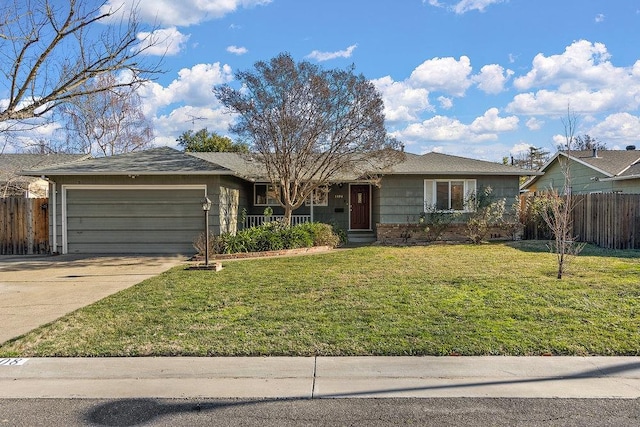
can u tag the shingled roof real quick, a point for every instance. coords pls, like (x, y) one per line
(609, 162)
(169, 161)
(12, 164)
(442, 164)
(156, 161)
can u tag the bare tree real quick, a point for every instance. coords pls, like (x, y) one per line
(49, 50)
(559, 204)
(587, 142)
(106, 122)
(307, 124)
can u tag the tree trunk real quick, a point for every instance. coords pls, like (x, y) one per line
(287, 215)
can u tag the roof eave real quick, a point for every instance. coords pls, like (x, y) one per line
(620, 178)
(124, 173)
(466, 173)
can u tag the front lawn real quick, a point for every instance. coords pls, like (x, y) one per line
(495, 299)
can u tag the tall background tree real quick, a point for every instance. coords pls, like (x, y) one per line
(533, 159)
(205, 141)
(50, 50)
(307, 124)
(105, 122)
(584, 142)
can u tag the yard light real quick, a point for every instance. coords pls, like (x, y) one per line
(206, 207)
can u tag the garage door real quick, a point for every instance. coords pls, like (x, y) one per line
(145, 221)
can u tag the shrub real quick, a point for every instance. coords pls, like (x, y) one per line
(273, 236)
(436, 222)
(487, 213)
(322, 234)
(296, 237)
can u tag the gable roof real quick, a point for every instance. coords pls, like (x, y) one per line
(613, 164)
(446, 164)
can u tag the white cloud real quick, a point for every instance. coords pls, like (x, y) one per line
(442, 128)
(326, 56)
(599, 18)
(165, 41)
(492, 78)
(581, 77)
(237, 50)
(464, 6)
(622, 128)
(446, 75)
(445, 103)
(534, 124)
(520, 148)
(582, 63)
(437, 128)
(556, 103)
(187, 102)
(180, 13)
(401, 101)
(192, 87)
(491, 123)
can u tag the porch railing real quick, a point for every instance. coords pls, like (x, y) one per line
(256, 220)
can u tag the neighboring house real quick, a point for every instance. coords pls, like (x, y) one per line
(13, 184)
(591, 171)
(150, 201)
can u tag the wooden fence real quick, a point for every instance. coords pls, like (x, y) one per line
(608, 220)
(24, 226)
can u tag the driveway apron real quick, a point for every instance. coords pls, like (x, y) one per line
(38, 290)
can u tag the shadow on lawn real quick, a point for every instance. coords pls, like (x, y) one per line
(542, 246)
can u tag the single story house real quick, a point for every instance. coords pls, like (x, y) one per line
(591, 171)
(150, 201)
(13, 184)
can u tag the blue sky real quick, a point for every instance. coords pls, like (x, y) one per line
(477, 78)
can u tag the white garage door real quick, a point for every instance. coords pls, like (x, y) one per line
(145, 221)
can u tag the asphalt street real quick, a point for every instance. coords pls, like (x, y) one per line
(467, 412)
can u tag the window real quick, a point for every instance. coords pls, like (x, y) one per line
(320, 197)
(448, 195)
(266, 195)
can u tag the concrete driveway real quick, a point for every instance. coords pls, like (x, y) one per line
(38, 290)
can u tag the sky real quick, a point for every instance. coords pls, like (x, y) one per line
(483, 79)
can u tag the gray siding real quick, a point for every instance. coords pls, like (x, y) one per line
(582, 180)
(401, 197)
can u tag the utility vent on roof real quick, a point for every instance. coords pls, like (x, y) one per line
(631, 147)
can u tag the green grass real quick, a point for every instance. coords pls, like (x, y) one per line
(495, 299)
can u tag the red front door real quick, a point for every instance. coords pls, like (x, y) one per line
(360, 207)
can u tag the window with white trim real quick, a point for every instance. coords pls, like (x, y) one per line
(266, 195)
(320, 197)
(449, 194)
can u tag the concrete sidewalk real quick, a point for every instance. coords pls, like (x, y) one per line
(322, 377)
